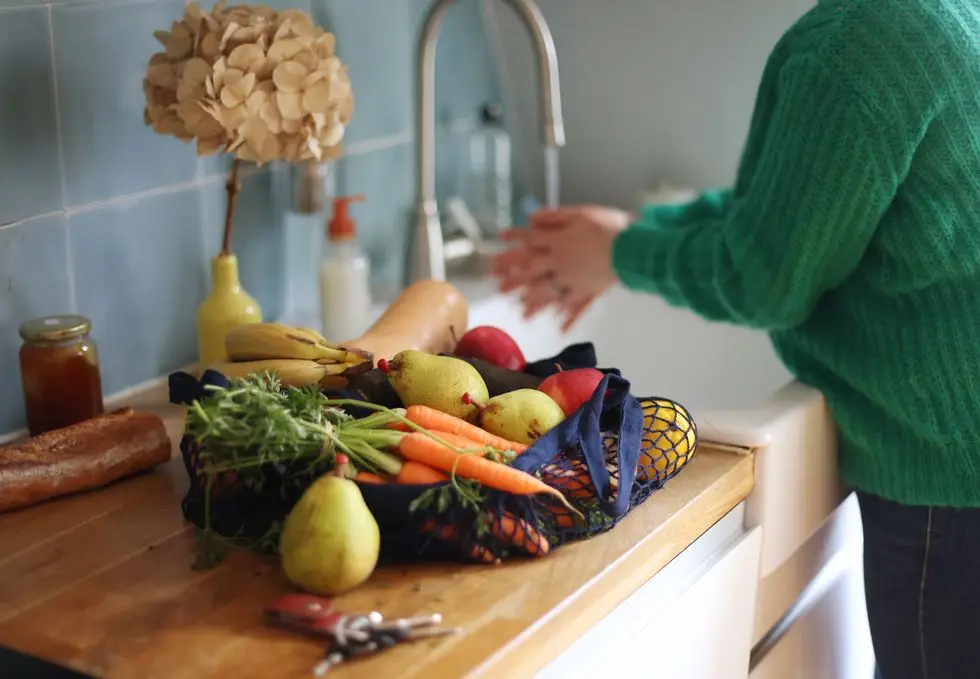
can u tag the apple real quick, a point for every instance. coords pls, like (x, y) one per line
(570, 389)
(492, 345)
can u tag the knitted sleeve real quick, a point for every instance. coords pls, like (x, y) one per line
(709, 204)
(826, 167)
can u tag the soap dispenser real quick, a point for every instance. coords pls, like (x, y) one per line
(345, 292)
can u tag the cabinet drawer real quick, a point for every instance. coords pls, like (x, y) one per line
(691, 621)
(829, 637)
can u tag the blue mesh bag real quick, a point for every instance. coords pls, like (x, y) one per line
(606, 459)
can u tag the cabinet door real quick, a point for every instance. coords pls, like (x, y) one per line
(707, 631)
(701, 632)
(830, 638)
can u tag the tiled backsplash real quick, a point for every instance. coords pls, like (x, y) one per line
(100, 216)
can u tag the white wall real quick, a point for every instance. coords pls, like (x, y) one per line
(652, 89)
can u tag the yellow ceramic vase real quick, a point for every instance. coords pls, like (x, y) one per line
(227, 306)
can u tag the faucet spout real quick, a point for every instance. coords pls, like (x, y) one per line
(428, 256)
(552, 122)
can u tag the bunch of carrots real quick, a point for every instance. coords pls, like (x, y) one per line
(432, 447)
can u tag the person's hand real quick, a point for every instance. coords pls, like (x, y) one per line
(563, 259)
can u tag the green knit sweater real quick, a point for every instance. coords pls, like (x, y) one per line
(852, 234)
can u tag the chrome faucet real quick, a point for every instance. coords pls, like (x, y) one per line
(429, 251)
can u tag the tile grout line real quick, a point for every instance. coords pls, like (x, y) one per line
(360, 148)
(156, 192)
(356, 149)
(62, 166)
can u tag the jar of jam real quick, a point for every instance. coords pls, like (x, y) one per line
(59, 370)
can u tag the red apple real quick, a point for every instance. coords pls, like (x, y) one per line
(492, 345)
(572, 388)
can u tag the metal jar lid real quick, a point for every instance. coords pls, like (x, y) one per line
(55, 328)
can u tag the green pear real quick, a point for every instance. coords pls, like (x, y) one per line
(522, 416)
(439, 382)
(330, 541)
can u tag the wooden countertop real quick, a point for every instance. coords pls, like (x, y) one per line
(101, 582)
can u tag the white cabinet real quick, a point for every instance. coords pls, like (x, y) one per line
(828, 638)
(693, 620)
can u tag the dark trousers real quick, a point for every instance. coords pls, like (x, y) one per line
(922, 583)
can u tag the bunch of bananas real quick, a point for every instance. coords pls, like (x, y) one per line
(300, 356)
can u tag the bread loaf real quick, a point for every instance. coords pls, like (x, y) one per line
(80, 457)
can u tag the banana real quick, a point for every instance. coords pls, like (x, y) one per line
(291, 372)
(309, 333)
(261, 341)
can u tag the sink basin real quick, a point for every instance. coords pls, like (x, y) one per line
(662, 350)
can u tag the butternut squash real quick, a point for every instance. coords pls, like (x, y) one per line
(427, 316)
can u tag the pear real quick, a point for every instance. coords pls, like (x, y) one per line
(439, 382)
(522, 416)
(330, 541)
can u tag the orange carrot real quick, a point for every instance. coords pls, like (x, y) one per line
(521, 534)
(368, 477)
(436, 421)
(564, 518)
(574, 481)
(419, 447)
(451, 534)
(456, 440)
(507, 529)
(416, 473)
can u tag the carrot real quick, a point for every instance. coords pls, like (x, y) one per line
(521, 534)
(451, 534)
(507, 529)
(368, 477)
(416, 473)
(574, 480)
(420, 448)
(455, 440)
(564, 518)
(439, 422)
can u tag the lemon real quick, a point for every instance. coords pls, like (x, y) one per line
(669, 439)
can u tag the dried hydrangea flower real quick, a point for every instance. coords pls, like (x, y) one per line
(245, 79)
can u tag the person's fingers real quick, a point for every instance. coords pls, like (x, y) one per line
(514, 258)
(549, 218)
(534, 239)
(538, 296)
(574, 311)
(515, 235)
(535, 269)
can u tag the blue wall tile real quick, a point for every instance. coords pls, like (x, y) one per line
(384, 218)
(374, 43)
(30, 183)
(101, 54)
(33, 282)
(141, 259)
(137, 277)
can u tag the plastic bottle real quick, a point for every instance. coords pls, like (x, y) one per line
(345, 291)
(489, 188)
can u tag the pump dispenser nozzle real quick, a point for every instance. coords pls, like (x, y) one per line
(342, 226)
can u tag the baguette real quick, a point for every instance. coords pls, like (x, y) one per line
(81, 457)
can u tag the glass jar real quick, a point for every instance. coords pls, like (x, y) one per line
(59, 371)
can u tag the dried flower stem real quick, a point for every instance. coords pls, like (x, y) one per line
(233, 187)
